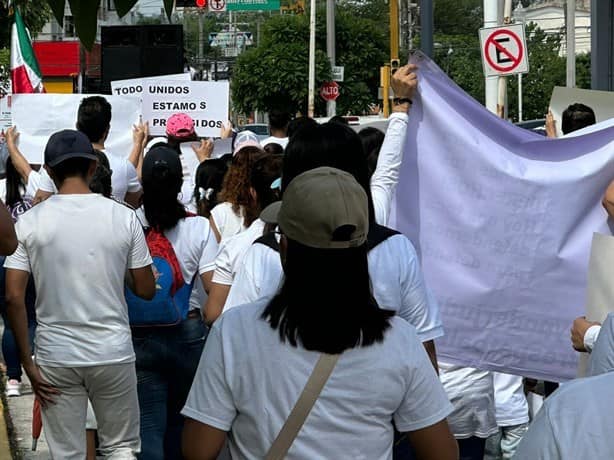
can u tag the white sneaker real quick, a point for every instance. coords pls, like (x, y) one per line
(13, 388)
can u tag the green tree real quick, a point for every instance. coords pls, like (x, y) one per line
(583, 71)
(547, 69)
(276, 71)
(35, 15)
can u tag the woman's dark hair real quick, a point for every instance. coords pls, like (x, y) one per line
(72, 167)
(235, 189)
(265, 171)
(325, 302)
(94, 117)
(329, 144)
(372, 140)
(577, 116)
(298, 123)
(15, 188)
(162, 179)
(208, 183)
(273, 148)
(101, 180)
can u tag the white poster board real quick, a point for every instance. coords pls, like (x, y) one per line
(134, 86)
(600, 289)
(602, 103)
(37, 116)
(205, 101)
(5, 111)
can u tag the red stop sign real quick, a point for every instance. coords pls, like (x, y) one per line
(329, 91)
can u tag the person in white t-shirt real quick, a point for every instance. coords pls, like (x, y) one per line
(575, 423)
(167, 356)
(259, 356)
(512, 414)
(394, 267)
(30, 177)
(278, 128)
(237, 210)
(83, 344)
(230, 256)
(602, 356)
(94, 120)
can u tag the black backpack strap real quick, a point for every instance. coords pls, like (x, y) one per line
(378, 234)
(268, 239)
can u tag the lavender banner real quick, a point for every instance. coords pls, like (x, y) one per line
(503, 219)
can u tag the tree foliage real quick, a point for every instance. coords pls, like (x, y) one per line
(276, 71)
(35, 15)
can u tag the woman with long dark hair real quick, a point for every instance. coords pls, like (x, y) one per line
(167, 357)
(259, 356)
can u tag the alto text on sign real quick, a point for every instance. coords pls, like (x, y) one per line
(329, 91)
(504, 50)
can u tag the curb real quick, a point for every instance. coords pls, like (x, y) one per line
(5, 445)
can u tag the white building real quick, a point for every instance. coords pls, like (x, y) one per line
(549, 15)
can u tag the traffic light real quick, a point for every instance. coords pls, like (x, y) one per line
(191, 4)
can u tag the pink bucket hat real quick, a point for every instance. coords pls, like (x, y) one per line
(180, 125)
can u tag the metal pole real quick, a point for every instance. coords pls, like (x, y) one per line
(201, 39)
(312, 60)
(394, 32)
(331, 106)
(426, 26)
(502, 90)
(570, 39)
(491, 19)
(519, 97)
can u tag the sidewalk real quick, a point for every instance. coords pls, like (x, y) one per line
(20, 411)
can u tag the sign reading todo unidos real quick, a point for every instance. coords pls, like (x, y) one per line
(205, 101)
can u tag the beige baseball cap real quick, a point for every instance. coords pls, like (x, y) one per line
(317, 205)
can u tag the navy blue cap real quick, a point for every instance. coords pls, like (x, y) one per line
(68, 144)
(162, 162)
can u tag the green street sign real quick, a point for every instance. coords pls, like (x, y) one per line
(252, 5)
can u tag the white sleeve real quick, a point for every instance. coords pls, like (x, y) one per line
(259, 277)
(46, 184)
(418, 306)
(590, 337)
(420, 409)
(602, 356)
(139, 256)
(539, 442)
(210, 248)
(386, 175)
(210, 399)
(132, 179)
(223, 264)
(34, 183)
(218, 215)
(19, 260)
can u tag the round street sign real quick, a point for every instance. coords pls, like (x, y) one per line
(329, 91)
(504, 50)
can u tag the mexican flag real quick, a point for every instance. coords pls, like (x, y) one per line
(25, 74)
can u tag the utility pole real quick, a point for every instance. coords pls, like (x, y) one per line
(201, 39)
(502, 93)
(312, 60)
(427, 26)
(331, 106)
(570, 39)
(492, 19)
(387, 70)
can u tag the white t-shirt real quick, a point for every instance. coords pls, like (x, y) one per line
(79, 261)
(232, 251)
(511, 406)
(283, 141)
(472, 394)
(124, 178)
(240, 386)
(35, 180)
(395, 272)
(575, 423)
(602, 357)
(228, 223)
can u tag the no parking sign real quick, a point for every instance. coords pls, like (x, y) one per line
(504, 50)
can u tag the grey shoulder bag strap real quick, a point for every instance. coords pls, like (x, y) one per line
(320, 374)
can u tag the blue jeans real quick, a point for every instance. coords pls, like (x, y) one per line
(9, 346)
(166, 362)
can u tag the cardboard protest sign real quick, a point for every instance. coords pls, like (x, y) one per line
(205, 101)
(600, 289)
(37, 116)
(134, 86)
(602, 103)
